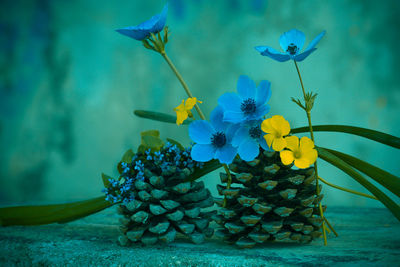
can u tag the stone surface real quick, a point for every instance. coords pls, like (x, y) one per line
(92, 242)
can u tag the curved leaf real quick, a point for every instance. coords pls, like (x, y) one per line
(56, 213)
(388, 180)
(208, 167)
(380, 137)
(158, 116)
(382, 197)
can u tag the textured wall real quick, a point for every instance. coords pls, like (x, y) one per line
(69, 82)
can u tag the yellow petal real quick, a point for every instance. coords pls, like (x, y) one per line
(280, 124)
(181, 116)
(306, 144)
(279, 144)
(310, 155)
(266, 126)
(269, 138)
(301, 163)
(181, 107)
(292, 142)
(190, 102)
(286, 157)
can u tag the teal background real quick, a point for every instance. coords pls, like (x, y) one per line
(69, 82)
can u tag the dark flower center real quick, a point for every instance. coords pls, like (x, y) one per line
(248, 106)
(218, 139)
(292, 49)
(255, 132)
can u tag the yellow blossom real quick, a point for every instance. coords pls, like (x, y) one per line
(302, 153)
(276, 128)
(183, 110)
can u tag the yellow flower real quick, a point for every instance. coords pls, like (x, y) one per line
(276, 128)
(183, 110)
(302, 154)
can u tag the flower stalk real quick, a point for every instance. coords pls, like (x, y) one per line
(158, 44)
(309, 102)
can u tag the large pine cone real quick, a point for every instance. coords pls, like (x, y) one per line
(162, 203)
(270, 201)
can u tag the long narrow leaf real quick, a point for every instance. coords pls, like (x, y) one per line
(388, 180)
(55, 213)
(158, 116)
(337, 162)
(208, 167)
(380, 137)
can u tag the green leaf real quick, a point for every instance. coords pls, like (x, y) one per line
(158, 116)
(150, 140)
(106, 179)
(382, 197)
(380, 137)
(174, 142)
(56, 213)
(388, 180)
(128, 155)
(208, 167)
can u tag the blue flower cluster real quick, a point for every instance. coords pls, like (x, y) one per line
(234, 125)
(170, 160)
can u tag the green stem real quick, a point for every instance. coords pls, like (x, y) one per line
(312, 138)
(346, 189)
(182, 81)
(184, 85)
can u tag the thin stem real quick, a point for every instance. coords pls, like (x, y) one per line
(330, 226)
(312, 138)
(346, 189)
(184, 85)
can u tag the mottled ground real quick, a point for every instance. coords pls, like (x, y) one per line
(367, 237)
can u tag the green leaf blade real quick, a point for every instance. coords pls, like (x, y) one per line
(380, 137)
(382, 197)
(386, 179)
(158, 116)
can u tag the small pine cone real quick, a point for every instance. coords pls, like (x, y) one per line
(273, 203)
(164, 204)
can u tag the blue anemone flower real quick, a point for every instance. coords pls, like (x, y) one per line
(213, 140)
(250, 102)
(143, 30)
(291, 42)
(248, 138)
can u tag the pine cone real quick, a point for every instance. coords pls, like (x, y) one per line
(157, 202)
(273, 203)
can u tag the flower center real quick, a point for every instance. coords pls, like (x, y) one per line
(297, 154)
(218, 139)
(255, 132)
(292, 49)
(248, 106)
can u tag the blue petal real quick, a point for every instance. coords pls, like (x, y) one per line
(249, 149)
(230, 101)
(261, 111)
(134, 32)
(293, 36)
(142, 31)
(233, 117)
(201, 131)
(316, 40)
(202, 153)
(246, 87)
(217, 119)
(226, 154)
(263, 92)
(241, 134)
(303, 55)
(263, 144)
(272, 53)
(231, 131)
(160, 20)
